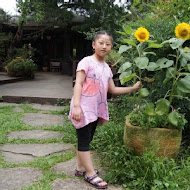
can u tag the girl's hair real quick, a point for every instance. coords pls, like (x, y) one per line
(102, 32)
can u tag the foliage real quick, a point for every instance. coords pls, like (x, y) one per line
(22, 67)
(150, 117)
(113, 58)
(163, 9)
(27, 8)
(56, 15)
(177, 71)
(98, 15)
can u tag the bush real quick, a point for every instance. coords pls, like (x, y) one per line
(22, 67)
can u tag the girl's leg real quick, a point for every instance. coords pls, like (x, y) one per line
(84, 161)
(85, 136)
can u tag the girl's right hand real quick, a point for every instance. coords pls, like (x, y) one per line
(77, 113)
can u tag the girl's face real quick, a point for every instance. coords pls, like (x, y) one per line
(102, 46)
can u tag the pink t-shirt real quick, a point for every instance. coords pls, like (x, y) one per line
(94, 92)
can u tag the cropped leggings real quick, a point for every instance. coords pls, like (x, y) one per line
(85, 136)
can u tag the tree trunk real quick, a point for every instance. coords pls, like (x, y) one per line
(17, 38)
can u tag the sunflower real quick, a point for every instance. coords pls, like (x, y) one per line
(142, 34)
(182, 31)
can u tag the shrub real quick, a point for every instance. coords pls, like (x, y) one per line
(22, 67)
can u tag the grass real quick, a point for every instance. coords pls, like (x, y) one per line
(146, 172)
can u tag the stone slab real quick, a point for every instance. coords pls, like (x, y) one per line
(36, 150)
(40, 119)
(17, 158)
(47, 107)
(18, 109)
(67, 168)
(16, 178)
(76, 184)
(35, 134)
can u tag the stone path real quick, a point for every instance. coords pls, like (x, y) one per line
(20, 177)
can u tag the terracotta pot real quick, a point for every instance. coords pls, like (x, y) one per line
(45, 69)
(165, 142)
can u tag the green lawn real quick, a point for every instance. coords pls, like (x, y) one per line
(132, 172)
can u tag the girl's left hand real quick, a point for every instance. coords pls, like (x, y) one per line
(137, 86)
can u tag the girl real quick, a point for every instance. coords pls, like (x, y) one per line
(89, 103)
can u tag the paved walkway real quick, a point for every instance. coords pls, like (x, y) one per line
(22, 177)
(47, 87)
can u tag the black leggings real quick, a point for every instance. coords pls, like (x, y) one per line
(85, 136)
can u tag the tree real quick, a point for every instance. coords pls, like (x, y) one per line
(28, 9)
(4, 37)
(97, 14)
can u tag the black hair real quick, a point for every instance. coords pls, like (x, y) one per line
(102, 32)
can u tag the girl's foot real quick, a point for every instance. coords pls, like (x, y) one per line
(96, 182)
(79, 173)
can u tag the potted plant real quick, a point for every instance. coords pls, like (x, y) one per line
(156, 126)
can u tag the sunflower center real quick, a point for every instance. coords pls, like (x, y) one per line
(183, 32)
(142, 35)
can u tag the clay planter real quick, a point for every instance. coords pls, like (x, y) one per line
(165, 142)
(45, 69)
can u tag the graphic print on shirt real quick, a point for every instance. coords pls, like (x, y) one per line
(94, 87)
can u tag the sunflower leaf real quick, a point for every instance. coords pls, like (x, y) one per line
(175, 42)
(124, 48)
(141, 62)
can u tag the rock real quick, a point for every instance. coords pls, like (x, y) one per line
(39, 119)
(34, 134)
(14, 178)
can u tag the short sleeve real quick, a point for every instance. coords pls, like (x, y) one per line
(83, 65)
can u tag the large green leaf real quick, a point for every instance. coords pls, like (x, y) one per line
(173, 118)
(185, 53)
(152, 66)
(149, 109)
(124, 67)
(170, 73)
(162, 106)
(141, 62)
(175, 42)
(178, 92)
(143, 92)
(130, 42)
(164, 63)
(184, 84)
(183, 61)
(154, 45)
(127, 78)
(124, 74)
(187, 67)
(124, 48)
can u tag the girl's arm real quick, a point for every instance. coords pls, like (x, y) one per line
(77, 112)
(122, 90)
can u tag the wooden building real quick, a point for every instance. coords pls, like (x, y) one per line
(53, 44)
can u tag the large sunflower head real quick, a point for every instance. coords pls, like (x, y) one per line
(182, 31)
(142, 34)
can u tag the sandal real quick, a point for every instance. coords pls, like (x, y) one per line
(81, 173)
(95, 183)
